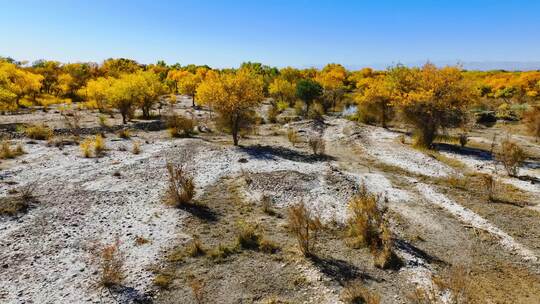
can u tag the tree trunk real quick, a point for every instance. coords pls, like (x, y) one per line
(234, 130)
(193, 101)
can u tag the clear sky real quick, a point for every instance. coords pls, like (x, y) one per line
(279, 32)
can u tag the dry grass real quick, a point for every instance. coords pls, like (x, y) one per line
(450, 286)
(511, 155)
(195, 248)
(356, 293)
(317, 145)
(366, 227)
(197, 287)
(7, 152)
(181, 188)
(124, 134)
(267, 205)
(19, 202)
(293, 137)
(247, 236)
(136, 148)
(180, 126)
(111, 265)
(38, 132)
(304, 226)
(163, 280)
(91, 147)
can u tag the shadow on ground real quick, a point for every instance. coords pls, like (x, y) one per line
(271, 153)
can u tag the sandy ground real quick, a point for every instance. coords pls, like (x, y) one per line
(46, 254)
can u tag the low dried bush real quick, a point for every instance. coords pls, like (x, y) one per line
(195, 248)
(316, 111)
(93, 146)
(163, 280)
(267, 205)
(22, 199)
(197, 287)
(136, 148)
(7, 152)
(180, 126)
(450, 286)
(531, 118)
(111, 265)
(293, 137)
(463, 139)
(124, 133)
(305, 227)
(181, 188)
(247, 236)
(511, 155)
(366, 227)
(356, 293)
(316, 143)
(38, 132)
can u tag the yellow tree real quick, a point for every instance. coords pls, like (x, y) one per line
(188, 83)
(431, 98)
(123, 94)
(19, 82)
(96, 90)
(234, 96)
(282, 90)
(332, 78)
(376, 98)
(150, 88)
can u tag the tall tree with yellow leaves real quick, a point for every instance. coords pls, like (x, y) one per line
(375, 97)
(332, 78)
(18, 82)
(234, 96)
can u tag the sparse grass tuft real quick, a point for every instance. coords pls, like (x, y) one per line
(267, 206)
(195, 248)
(111, 264)
(181, 188)
(293, 136)
(305, 227)
(247, 236)
(221, 252)
(367, 227)
(356, 293)
(317, 145)
(38, 132)
(163, 280)
(7, 152)
(136, 148)
(93, 147)
(197, 287)
(180, 126)
(22, 199)
(124, 133)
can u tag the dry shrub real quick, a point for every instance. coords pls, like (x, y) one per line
(136, 149)
(163, 280)
(93, 147)
(511, 155)
(195, 248)
(181, 188)
(247, 236)
(267, 205)
(179, 125)
(293, 137)
(111, 265)
(222, 251)
(305, 227)
(367, 227)
(463, 139)
(316, 143)
(20, 202)
(38, 132)
(356, 293)
(489, 182)
(124, 133)
(72, 121)
(268, 246)
(7, 152)
(197, 287)
(102, 121)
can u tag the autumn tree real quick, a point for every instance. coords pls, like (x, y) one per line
(234, 96)
(308, 90)
(150, 88)
(430, 98)
(96, 90)
(116, 66)
(282, 90)
(531, 118)
(188, 83)
(375, 98)
(18, 82)
(332, 78)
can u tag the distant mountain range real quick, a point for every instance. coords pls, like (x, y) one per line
(467, 65)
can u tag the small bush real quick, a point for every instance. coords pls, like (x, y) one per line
(195, 248)
(316, 111)
(531, 119)
(111, 263)
(268, 246)
(179, 126)
(463, 139)
(7, 152)
(163, 280)
(136, 149)
(102, 121)
(18, 203)
(38, 132)
(316, 143)
(511, 155)
(247, 236)
(93, 147)
(221, 252)
(197, 287)
(99, 145)
(86, 147)
(124, 133)
(356, 293)
(366, 227)
(489, 183)
(304, 226)
(299, 108)
(267, 206)
(181, 188)
(293, 137)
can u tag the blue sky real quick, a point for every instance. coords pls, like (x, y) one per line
(298, 33)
